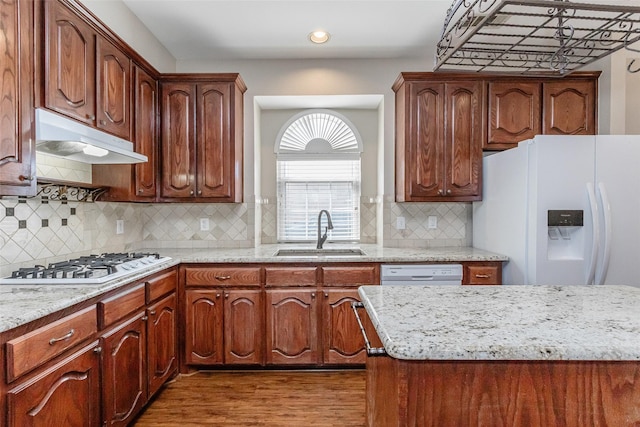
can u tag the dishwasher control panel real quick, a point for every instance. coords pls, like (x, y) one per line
(421, 274)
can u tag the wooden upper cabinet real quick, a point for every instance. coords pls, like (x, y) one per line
(463, 140)
(178, 140)
(17, 156)
(70, 74)
(520, 108)
(146, 134)
(514, 113)
(86, 77)
(439, 134)
(202, 138)
(569, 107)
(113, 100)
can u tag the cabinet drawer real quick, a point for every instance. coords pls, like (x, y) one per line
(161, 285)
(33, 349)
(352, 275)
(118, 306)
(223, 276)
(290, 276)
(482, 275)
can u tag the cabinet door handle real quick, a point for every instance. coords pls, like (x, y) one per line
(326, 295)
(440, 191)
(313, 295)
(139, 190)
(217, 295)
(191, 192)
(91, 117)
(103, 122)
(65, 337)
(223, 277)
(226, 296)
(145, 318)
(97, 350)
(199, 192)
(152, 312)
(23, 178)
(448, 191)
(482, 276)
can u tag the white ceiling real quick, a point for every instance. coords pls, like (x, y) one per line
(278, 29)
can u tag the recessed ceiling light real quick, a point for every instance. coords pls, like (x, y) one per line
(319, 37)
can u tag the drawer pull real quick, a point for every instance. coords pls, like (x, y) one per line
(482, 276)
(65, 337)
(371, 351)
(223, 277)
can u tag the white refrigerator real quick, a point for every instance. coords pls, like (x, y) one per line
(564, 209)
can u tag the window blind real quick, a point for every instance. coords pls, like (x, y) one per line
(305, 187)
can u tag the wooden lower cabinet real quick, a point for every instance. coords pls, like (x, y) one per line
(342, 341)
(223, 326)
(162, 350)
(66, 393)
(124, 390)
(292, 327)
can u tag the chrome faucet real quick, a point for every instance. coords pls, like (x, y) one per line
(323, 238)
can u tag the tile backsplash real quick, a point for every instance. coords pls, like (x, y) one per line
(41, 230)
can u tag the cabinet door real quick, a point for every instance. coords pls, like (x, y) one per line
(146, 134)
(113, 100)
(569, 107)
(178, 140)
(70, 75)
(17, 157)
(426, 146)
(213, 141)
(292, 324)
(243, 327)
(203, 328)
(69, 391)
(463, 140)
(124, 367)
(161, 342)
(514, 113)
(342, 341)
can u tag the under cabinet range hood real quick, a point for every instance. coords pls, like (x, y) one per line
(60, 136)
(534, 37)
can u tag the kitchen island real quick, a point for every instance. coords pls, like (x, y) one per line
(504, 356)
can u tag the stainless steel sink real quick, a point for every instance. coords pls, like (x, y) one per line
(315, 253)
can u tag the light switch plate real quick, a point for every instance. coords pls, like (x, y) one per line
(400, 224)
(204, 224)
(119, 226)
(432, 222)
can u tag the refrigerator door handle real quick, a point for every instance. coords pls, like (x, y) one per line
(606, 215)
(591, 274)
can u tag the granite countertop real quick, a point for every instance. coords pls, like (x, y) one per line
(506, 322)
(20, 304)
(373, 253)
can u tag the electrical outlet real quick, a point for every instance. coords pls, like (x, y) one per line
(400, 224)
(204, 224)
(119, 226)
(432, 222)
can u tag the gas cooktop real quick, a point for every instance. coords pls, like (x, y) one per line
(90, 269)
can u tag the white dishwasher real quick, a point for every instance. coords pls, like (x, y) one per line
(420, 274)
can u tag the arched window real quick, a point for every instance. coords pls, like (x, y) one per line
(318, 167)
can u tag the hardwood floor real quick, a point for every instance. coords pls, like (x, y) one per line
(261, 398)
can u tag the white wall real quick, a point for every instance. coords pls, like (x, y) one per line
(123, 22)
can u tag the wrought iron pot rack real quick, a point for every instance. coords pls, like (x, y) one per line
(534, 37)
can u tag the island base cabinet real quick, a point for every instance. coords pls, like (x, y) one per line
(66, 394)
(502, 393)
